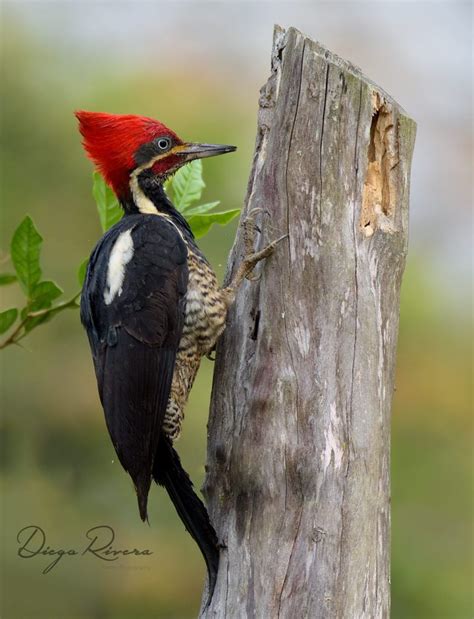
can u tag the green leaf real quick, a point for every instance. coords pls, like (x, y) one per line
(185, 188)
(7, 318)
(201, 209)
(25, 253)
(187, 185)
(200, 224)
(81, 273)
(7, 278)
(108, 206)
(43, 295)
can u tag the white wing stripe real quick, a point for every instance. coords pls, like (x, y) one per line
(120, 256)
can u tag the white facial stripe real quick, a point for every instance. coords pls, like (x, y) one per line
(120, 256)
(144, 204)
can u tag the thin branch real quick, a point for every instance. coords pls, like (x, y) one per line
(20, 332)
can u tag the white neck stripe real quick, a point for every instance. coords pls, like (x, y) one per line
(144, 204)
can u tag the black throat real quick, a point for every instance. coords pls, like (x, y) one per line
(152, 188)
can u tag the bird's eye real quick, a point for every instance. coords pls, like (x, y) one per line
(163, 143)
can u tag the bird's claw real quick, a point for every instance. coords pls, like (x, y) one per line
(251, 260)
(274, 243)
(253, 278)
(253, 211)
(249, 229)
(252, 257)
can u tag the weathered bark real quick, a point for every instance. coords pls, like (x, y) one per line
(298, 477)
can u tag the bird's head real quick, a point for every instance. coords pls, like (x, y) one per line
(123, 146)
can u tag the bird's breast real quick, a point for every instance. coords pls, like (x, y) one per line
(205, 310)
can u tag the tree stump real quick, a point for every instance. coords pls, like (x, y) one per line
(298, 471)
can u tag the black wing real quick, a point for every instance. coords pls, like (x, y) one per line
(134, 330)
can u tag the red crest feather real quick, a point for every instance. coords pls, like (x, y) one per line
(111, 141)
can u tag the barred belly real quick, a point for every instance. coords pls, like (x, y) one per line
(204, 321)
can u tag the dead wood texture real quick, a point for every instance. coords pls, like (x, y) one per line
(298, 480)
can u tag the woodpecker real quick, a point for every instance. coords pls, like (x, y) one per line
(152, 308)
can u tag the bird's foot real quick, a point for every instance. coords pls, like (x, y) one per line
(252, 258)
(250, 227)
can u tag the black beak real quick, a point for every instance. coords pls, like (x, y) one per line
(199, 151)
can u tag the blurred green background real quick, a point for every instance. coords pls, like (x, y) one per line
(198, 67)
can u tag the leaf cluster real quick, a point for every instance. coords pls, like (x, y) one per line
(25, 252)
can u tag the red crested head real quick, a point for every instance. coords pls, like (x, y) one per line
(137, 151)
(113, 143)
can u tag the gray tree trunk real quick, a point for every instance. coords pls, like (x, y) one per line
(298, 481)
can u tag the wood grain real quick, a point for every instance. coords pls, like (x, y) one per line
(298, 480)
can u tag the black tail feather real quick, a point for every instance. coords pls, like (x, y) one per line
(142, 488)
(168, 472)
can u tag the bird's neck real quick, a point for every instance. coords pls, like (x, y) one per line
(151, 199)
